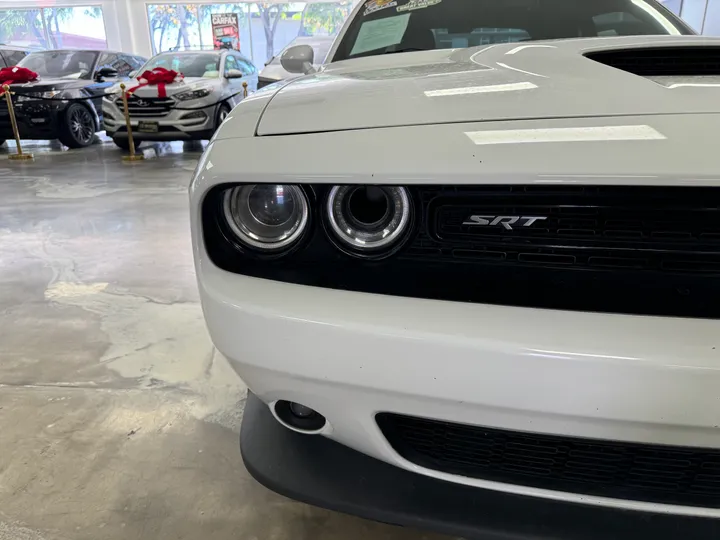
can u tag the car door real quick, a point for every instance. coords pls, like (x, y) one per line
(250, 72)
(234, 88)
(97, 88)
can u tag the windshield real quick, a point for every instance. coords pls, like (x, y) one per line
(389, 26)
(190, 65)
(67, 64)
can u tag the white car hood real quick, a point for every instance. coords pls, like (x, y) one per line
(189, 83)
(549, 79)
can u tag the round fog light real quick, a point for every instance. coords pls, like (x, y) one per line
(298, 417)
(369, 219)
(266, 217)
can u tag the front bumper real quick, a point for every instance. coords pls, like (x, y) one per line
(324, 473)
(352, 355)
(36, 119)
(175, 125)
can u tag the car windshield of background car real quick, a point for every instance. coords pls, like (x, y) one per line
(205, 65)
(391, 26)
(65, 64)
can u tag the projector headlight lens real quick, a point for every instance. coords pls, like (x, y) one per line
(369, 219)
(266, 217)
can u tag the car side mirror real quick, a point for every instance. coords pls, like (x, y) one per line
(298, 59)
(132, 74)
(233, 74)
(105, 73)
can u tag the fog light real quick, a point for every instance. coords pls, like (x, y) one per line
(196, 114)
(301, 411)
(298, 417)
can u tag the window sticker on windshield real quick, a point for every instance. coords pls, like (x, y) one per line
(412, 5)
(376, 5)
(381, 33)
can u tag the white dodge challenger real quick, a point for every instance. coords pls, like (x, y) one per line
(492, 306)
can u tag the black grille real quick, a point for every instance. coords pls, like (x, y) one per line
(147, 107)
(651, 473)
(663, 60)
(653, 230)
(639, 250)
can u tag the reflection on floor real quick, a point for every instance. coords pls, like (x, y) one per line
(118, 420)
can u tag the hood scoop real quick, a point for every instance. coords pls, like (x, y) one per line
(662, 61)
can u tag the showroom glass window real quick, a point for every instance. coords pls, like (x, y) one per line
(469, 23)
(265, 28)
(78, 27)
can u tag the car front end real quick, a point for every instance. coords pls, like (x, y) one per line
(490, 309)
(188, 111)
(40, 109)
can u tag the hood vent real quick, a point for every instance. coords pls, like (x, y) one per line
(685, 61)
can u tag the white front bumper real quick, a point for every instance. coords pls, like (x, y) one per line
(350, 355)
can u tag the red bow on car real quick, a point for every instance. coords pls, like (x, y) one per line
(14, 74)
(157, 77)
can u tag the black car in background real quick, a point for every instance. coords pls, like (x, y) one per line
(65, 102)
(11, 56)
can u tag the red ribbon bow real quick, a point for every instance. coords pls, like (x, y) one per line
(13, 75)
(157, 77)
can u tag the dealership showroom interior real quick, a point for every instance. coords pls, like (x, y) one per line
(360, 270)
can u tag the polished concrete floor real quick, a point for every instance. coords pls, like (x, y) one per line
(117, 418)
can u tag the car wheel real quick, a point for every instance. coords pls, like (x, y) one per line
(222, 114)
(124, 144)
(78, 130)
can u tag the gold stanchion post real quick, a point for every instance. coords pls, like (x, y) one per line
(131, 143)
(13, 122)
(244, 89)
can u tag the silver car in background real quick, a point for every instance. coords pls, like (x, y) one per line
(192, 108)
(273, 70)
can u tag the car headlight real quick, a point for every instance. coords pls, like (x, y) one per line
(266, 217)
(52, 94)
(194, 94)
(369, 220)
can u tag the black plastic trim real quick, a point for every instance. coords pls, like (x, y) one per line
(610, 266)
(321, 472)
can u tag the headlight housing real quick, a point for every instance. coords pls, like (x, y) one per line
(193, 94)
(266, 217)
(369, 220)
(50, 94)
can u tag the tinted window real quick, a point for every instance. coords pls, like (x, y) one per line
(106, 60)
(122, 66)
(230, 63)
(12, 58)
(137, 61)
(71, 64)
(189, 64)
(387, 26)
(246, 67)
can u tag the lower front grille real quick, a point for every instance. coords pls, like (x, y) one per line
(641, 472)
